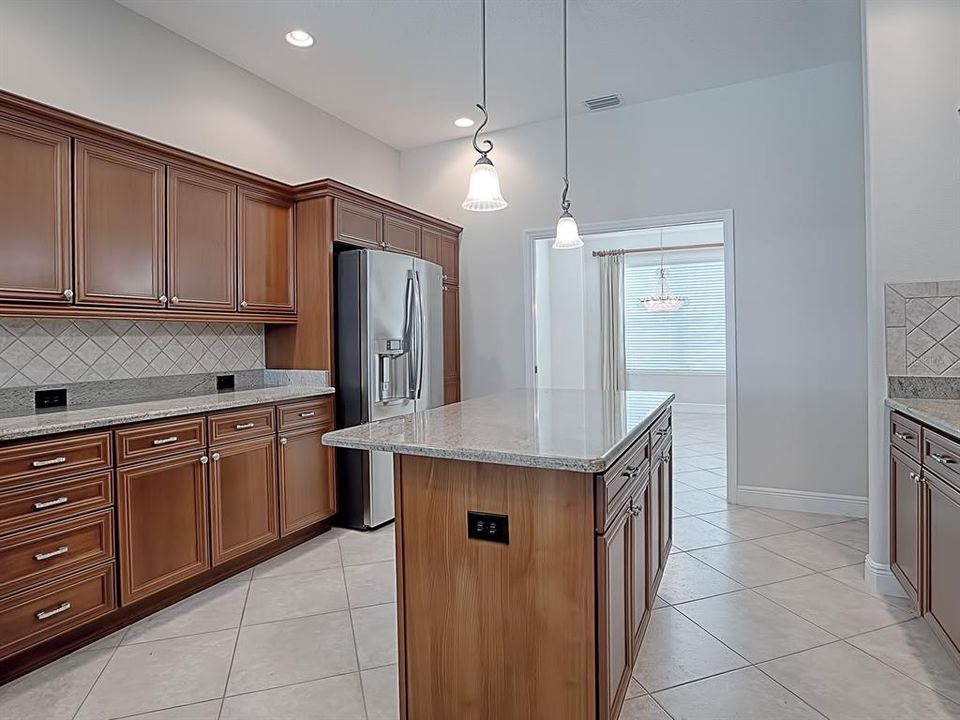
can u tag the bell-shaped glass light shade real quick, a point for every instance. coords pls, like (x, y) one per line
(483, 195)
(568, 234)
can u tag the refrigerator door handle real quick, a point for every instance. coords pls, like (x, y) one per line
(408, 334)
(419, 335)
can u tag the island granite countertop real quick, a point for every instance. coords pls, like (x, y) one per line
(576, 430)
(940, 414)
(51, 422)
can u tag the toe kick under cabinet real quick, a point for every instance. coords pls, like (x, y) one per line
(101, 528)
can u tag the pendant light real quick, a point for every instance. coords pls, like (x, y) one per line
(663, 301)
(483, 194)
(568, 235)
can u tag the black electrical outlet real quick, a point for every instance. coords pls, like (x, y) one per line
(45, 399)
(225, 382)
(484, 526)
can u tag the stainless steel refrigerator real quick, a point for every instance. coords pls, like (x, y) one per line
(389, 349)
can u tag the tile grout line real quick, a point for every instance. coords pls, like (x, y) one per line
(353, 634)
(233, 655)
(100, 674)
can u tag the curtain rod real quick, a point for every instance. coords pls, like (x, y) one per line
(675, 248)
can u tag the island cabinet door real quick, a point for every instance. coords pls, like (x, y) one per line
(615, 625)
(163, 529)
(638, 561)
(243, 497)
(905, 494)
(308, 493)
(653, 526)
(942, 543)
(666, 502)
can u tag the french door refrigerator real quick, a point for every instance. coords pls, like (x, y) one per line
(389, 362)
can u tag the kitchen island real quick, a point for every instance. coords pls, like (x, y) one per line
(532, 531)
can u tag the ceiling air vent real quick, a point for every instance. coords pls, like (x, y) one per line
(604, 102)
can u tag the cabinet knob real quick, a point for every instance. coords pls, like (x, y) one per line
(204, 460)
(68, 294)
(162, 299)
(243, 303)
(283, 441)
(174, 299)
(216, 457)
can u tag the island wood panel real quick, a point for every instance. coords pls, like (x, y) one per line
(267, 266)
(35, 212)
(201, 241)
(119, 228)
(473, 612)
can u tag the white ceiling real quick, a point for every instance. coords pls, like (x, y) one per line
(403, 70)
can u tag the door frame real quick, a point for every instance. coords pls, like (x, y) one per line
(530, 238)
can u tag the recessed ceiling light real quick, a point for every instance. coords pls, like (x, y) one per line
(300, 38)
(463, 122)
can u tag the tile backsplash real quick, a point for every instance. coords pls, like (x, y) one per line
(54, 351)
(922, 322)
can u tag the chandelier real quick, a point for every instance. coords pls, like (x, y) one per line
(663, 301)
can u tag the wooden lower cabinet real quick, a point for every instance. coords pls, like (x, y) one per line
(243, 497)
(666, 502)
(905, 522)
(308, 489)
(641, 601)
(654, 520)
(163, 530)
(942, 541)
(615, 613)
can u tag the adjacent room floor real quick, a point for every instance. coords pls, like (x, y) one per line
(762, 614)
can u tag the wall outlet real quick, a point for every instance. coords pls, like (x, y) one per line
(486, 526)
(45, 399)
(226, 382)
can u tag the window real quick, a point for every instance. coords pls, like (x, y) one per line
(689, 340)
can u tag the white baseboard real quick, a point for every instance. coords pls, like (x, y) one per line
(881, 579)
(709, 408)
(803, 501)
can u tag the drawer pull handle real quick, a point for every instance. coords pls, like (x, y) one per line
(45, 463)
(246, 426)
(903, 436)
(166, 441)
(662, 431)
(307, 414)
(62, 550)
(62, 607)
(50, 503)
(943, 459)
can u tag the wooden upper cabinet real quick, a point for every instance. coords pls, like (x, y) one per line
(119, 228)
(450, 258)
(201, 242)
(401, 236)
(34, 214)
(358, 225)
(451, 344)
(430, 245)
(267, 253)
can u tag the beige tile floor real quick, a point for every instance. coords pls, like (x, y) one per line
(762, 615)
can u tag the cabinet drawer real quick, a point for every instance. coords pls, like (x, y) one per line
(305, 414)
(51, 551)
(616, 485)
(241, 424)
(159, 439)
(661, 428)
(905, 434)
(40, 613)
(941, 455)
(359, 225)
(35, 504)
(49, 459)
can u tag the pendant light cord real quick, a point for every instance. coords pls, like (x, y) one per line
(564, 203)
(483, 83)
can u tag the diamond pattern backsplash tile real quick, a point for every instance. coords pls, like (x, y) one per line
(48, 351)
(923, 328)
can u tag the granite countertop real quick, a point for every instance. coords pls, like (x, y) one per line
(940, 414)
(51, 422)
(580, 431)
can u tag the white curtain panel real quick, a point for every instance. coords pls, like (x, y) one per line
(613, 362)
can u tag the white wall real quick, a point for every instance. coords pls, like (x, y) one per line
(101, 60)
(786, 155)
(912, 92)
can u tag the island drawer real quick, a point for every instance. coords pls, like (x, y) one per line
(615, 485)
(159, 439)
(661, 428)
(305, 414)
(33, 556)
(32, 462)
(942, 456)
(35, 615)
(35, 504)
(905, 435)
(241, 424)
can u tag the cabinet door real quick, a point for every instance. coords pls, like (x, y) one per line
(308, 493)
(35, 212)
(451, 344)
(201, 242)
(119, 228)
(450, 258)
(653, 526)
(942, 542)
(267, 253)
(666, 502)
(638, 570)
(162, 519)
(430, 245)
(905, 493)
(358, 225)
(243, 497)
(614, 627)
(401, 236)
